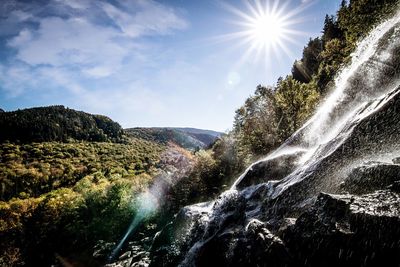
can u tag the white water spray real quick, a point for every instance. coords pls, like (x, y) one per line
(358, 83)
(322, 127)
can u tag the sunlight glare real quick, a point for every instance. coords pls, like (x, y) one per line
(267, 29)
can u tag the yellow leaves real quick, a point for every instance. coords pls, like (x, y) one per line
(12, 212)
(205, 159)
(38, 168)
(333, 52)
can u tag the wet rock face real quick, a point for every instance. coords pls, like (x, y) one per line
(291, 222)
(252, 245)
(370, 177)
(228, 239)
(272, 169)
(336, 230)
(135, 256)
(346, 230)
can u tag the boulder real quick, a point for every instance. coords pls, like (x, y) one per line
(347, 230)
(266, 170)
(370, 177)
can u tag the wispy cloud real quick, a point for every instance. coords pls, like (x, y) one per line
(71, 43)
(149, 18)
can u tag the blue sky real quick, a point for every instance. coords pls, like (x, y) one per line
(143, 62)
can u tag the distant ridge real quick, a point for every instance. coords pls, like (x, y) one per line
(62, 124)
(190, 138)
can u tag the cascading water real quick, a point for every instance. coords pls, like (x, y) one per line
(316, 158)
(371, 74)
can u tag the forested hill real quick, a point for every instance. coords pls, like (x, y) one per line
(57, 123)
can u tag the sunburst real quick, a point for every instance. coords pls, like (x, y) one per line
(266, 29)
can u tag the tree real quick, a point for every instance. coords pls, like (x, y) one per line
(331, 29)
(333, 56)
(304, 69)
(294, 103)
(254, 125)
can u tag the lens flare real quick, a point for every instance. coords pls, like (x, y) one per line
(147, 204)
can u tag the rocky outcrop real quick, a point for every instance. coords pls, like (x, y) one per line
(275, 168)
(136, 255)
(347, 230)
(335, 230)
(370, 177)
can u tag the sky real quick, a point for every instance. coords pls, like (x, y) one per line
(145, 63)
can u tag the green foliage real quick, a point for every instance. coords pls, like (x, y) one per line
(294, 103)
(323, 57)
(37, 168)
(79, 192)
(68, 219)
(358, 17)
(56, 123)
(331, 30)
(272, 114)
(195, 187)
(254, 127)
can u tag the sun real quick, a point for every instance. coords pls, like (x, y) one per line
(266, 28)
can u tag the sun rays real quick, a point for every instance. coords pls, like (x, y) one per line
(266, 29)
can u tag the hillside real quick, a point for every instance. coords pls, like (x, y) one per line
(57, 123)
(189, 138)
(63, 171)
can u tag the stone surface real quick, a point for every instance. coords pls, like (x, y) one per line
(370, 177)
(267, 170)
(346, 230)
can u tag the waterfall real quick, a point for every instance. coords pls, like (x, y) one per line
(356, 123)
(370, 74)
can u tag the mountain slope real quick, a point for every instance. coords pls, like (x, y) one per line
(189, 138)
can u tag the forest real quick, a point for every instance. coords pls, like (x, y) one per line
(69, 180)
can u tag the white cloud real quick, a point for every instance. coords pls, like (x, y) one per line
(143, 17)
(98, 72)
(94, 49)
(58, 42)
(21, 39)
(76, 4)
